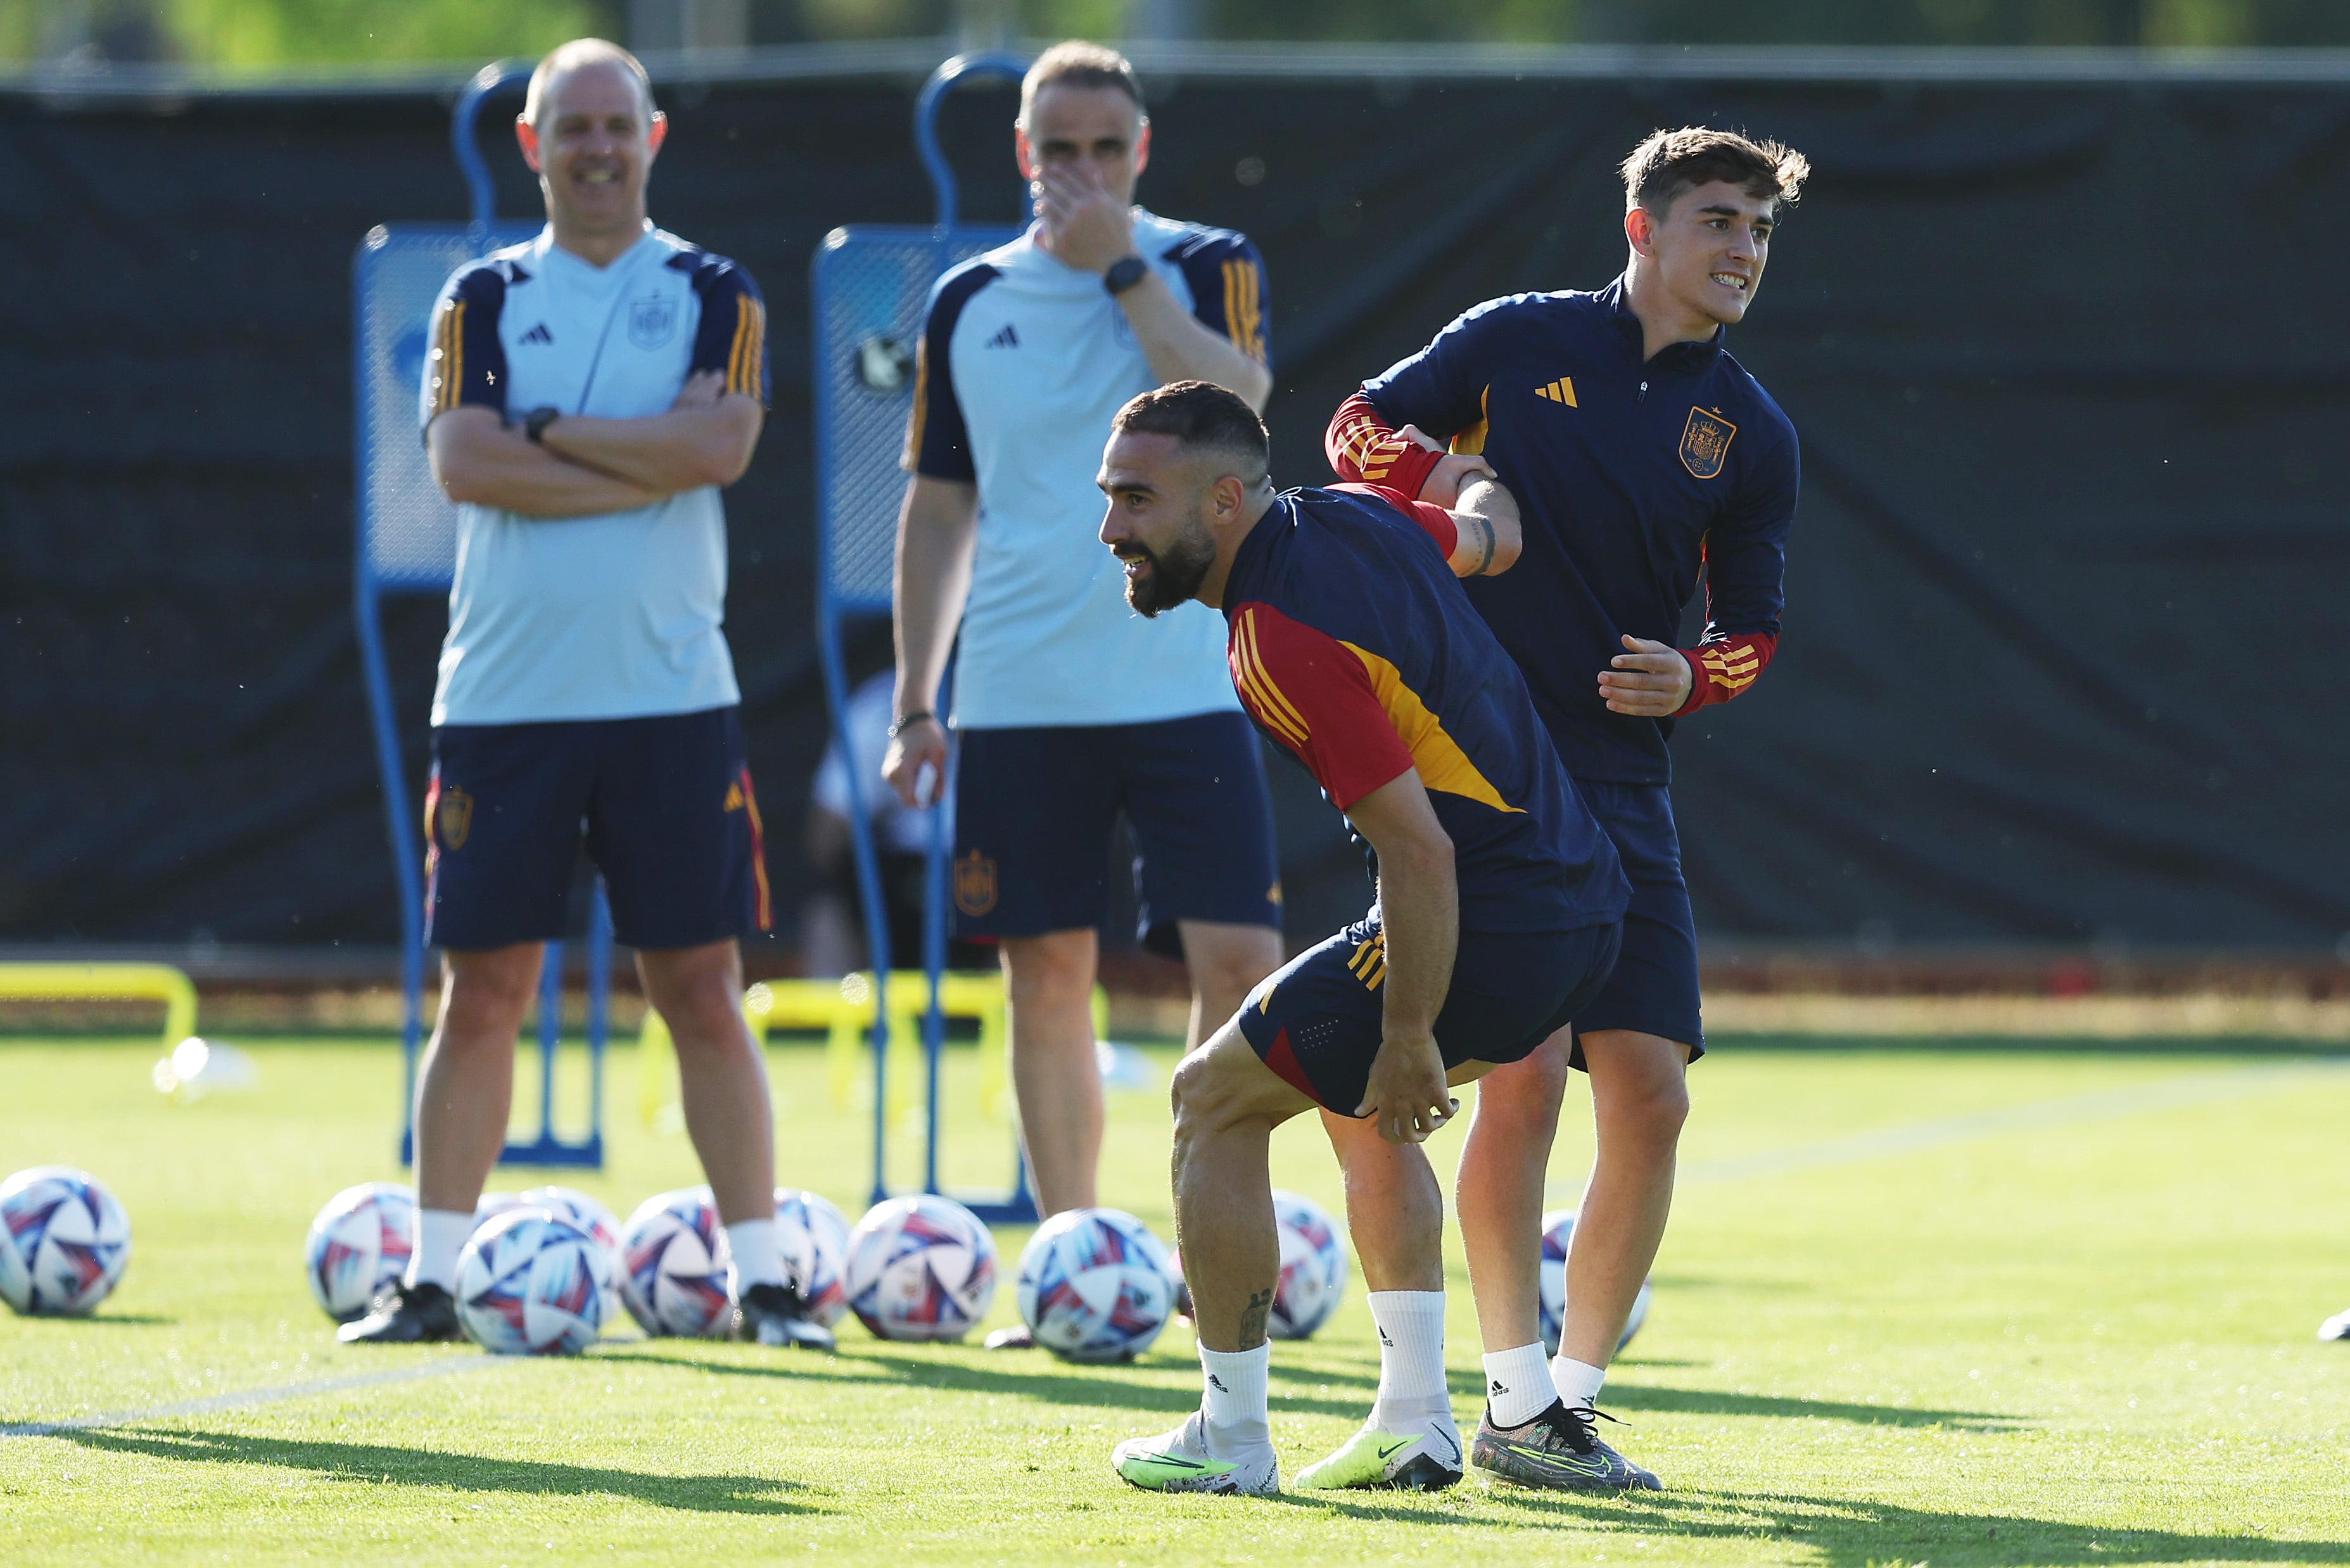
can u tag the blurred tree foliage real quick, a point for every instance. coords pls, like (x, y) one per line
(270, 32)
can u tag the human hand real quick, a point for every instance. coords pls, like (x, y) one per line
(1651, 682)
(1407, 1092)
(918, 745)
(1084, 225)
(701, 390)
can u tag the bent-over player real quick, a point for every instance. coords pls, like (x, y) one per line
(586, 395)
(1641, 452)
(1355, 650)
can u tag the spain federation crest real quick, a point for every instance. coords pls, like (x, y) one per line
(651, 320)
(974, 884)
(456, 818)
(1705, 442)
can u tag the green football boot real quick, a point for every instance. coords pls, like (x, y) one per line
(1427, 1458)
(1185, 1460)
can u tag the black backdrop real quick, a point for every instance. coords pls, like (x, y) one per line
(2066, 358)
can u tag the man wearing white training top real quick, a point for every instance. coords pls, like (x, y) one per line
(1070, 709)
(585, 395)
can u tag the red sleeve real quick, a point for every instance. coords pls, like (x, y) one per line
(1721, 670)
(1434, 521)
(1314, 697)
(1363, 447)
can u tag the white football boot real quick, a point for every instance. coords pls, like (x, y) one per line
(1238, 1461)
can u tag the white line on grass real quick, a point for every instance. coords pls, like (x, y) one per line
(244, 1397)
(2105, 1105)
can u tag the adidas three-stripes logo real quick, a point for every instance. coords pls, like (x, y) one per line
(1007, 339)
(1559, 391)
(539, 334)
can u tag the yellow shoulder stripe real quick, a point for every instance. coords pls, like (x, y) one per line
(1441, 762)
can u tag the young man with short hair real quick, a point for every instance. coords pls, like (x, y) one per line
(1640, 453)
(1354, 649)
(1069, 709)
(586, 395)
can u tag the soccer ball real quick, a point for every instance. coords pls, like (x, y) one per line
(673, 1265)
(1558, 1230)
(531, 1283)
(921, 1268)
(584, 1212)
(1093, 1285)
(813, 1237)
(358, 1244)
(1312, 1267)
(64, 1241)
(490, 1205)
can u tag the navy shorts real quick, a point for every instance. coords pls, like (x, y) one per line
(1654, 990)
(1316, 1021)
(1035, 810)
(663, 806)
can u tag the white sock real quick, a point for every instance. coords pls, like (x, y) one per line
(1578, 1382)
(438, 1236)
(1517, 1385)
(1411, 1355)
(758, 1256)
(1234, 1391)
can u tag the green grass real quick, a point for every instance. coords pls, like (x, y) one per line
(2085, 1341)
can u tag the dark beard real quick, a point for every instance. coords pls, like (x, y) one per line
(1174, 579)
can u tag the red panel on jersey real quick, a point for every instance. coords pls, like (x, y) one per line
(1314, 697)
(1433, 520)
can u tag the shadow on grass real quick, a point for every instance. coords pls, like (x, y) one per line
(380, 1463)
(1714, 1402)
(1056, 1383)
(1847, 1534)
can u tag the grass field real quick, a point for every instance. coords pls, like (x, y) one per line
(1919, 1306)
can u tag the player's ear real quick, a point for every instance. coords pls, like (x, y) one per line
(527, 135)
(1141, 143)
(1023, 154)
(657, 132)
(1640, 229)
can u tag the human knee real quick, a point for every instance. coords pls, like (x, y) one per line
(1651, 1105)
(1055, 971)
(487, 995)
(703, 1015)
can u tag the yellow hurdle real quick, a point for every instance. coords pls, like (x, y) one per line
(108, 983)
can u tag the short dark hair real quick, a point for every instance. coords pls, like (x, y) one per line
(1078, 64)
(1670, 162)
(1199, 414)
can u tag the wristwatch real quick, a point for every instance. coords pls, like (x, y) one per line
(1124, 274)
(534, 423)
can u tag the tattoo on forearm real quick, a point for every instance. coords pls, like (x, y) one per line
(1485, 537)
(1252, 1319)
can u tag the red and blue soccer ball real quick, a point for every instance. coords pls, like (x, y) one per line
(358, 1244)
(530, 1283)
(1093, 1285)
(1312, 1267)
(921, 1268)
(584, 1212)
(64, 1241)
(1558, 1230)
(673, 1266)
(813, 1237)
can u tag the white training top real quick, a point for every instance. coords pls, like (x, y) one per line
(1023, 360)
(608, 616)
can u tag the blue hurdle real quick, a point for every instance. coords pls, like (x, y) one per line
(868, 284)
